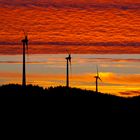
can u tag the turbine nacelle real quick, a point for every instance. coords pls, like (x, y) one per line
(69, 57)
(97, 77)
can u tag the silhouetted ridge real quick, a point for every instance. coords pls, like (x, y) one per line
(100, 102)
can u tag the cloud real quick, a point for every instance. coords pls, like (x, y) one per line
(130, 93)
(106, 44)
(9, 75)
(123, 4)
(120, 78)
(115, 44)
(109, 31)
(110, 60)
(20, 62)
(75, 47)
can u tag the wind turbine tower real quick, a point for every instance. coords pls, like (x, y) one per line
(25, 47)
(68, 59)
(97, 77)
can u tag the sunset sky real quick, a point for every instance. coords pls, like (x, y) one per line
(86, 28)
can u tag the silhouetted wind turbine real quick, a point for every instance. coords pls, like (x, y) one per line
(97, 77)
(68, 59)
(25, 47)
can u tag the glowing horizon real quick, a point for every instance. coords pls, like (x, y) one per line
(120, 74)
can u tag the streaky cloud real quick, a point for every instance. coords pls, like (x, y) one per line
(130, 93)
(124, 5)
(95, 43)
(115, 44)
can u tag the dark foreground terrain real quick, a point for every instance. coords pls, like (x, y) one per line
(100, 101)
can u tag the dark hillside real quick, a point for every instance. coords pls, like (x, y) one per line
(100, 101)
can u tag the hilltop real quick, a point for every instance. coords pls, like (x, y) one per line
(100, 101)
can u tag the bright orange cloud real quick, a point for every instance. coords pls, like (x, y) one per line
(112, 83)
(130, 93)
(120, 79)
(81, 30)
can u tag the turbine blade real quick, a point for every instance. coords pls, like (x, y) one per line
(24, 32)
(100, 79)
(70, 63)
(97, 70)
(67, 51)
(70, 66)
(27, 48)
(26, 42)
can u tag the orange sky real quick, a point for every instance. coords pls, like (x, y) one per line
(48, 22)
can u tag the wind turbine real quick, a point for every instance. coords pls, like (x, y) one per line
(25, 47)
(68, 59)
(97, 77)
